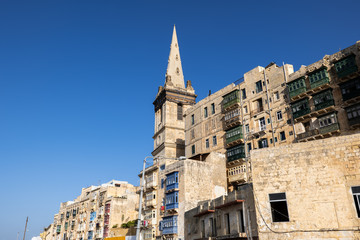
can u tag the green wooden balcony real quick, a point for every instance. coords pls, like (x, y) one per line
(235, 153)
(231, 99)
(354, 121)
(353, 94)
(297, 92)
(232, 102)
(324, 104)
(346, 66)
(347, 71)
(301, 112)
(236, 157)
(331, 128)
(320, 82)
(234, 134)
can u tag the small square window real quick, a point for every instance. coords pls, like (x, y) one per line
(279, 210)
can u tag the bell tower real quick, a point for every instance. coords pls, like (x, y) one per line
(171, 101)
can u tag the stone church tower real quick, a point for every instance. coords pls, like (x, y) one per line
(171, 101)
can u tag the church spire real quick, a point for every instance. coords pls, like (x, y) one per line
(174, 72)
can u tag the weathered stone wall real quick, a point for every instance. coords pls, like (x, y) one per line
(317, 178)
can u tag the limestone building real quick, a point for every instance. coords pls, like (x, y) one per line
(308, 190)
(174, 184)
(249, 114)
(230, 216)
(98, 209)
(325, 96)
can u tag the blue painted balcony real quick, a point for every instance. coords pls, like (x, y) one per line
(171, 206)
(172, 186)
(170, 230)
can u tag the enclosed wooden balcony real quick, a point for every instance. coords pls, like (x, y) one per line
(319, 133)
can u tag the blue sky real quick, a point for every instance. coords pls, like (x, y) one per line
(78, 78)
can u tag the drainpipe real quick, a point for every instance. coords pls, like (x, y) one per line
(288, 97)
(269, 109)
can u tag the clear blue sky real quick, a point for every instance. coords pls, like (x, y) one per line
(78, 78)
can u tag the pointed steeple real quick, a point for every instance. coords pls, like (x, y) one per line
(174, 72)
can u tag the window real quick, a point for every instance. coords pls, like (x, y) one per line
(356, 195)
(248, 147)
(278, 206)
(205, 112)
(214, 141)
(268, 120)
(258, 86)
(282, 136)
(263, 143)
(227, 223)
(279, 115)
(243, 93)
(262, 124)
(276, 96)
(245, 109)
(162, 183)
(193, 149)
(241, 221)
(202, 228)
(275, 139)
(207, 144)
(162, 167)
(247, 129)
(192, 119)
(179, 111)
(346, 66)
(327, 120)
(212, 108)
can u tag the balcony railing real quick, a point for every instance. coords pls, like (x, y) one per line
(330, 128)
(354, 121)
(238, 177)
(317, 132)
(346, 66)
(301, 112)
(172, 186)
(320, 82)
(232, 102)
(307, 134)
(171, 206)
(170, 230)
(325, 104)
(297, 92)
(151, 184)
(150, 203)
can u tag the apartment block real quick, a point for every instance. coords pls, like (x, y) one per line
(251, 113)
(308, 190)
(98, 209)
(325, 96)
